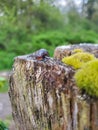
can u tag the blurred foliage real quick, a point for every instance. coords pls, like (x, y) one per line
(4, 88)
(2, 81)
(3, 85)
(3, 125)
(28, 25)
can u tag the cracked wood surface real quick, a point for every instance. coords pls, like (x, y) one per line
(44, 96)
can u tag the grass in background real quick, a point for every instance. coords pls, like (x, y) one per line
(4, 88)
(3, 85)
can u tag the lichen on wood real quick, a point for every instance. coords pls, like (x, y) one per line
(44, 96)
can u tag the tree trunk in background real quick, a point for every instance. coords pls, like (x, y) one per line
(90, 9)
(44, 96)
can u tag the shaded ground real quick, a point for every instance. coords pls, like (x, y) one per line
(5, 106)
(5, 109)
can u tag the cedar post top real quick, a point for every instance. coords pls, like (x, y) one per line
(67, 50)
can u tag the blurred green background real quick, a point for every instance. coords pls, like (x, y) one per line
(28, 25)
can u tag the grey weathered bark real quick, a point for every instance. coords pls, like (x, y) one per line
(62, 51)
(44, 96)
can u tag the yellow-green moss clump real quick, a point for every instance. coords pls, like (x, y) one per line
(77, 50)
(87, 78)
(78, 59)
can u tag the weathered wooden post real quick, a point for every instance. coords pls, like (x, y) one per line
(44, 96)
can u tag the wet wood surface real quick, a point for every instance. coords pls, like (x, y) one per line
(44, 96)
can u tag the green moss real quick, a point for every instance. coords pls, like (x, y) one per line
(78, 59)
(87, 77)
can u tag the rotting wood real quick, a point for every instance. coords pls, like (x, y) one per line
(44, 96)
